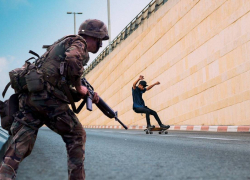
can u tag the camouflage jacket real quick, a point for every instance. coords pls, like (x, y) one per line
(73, 51)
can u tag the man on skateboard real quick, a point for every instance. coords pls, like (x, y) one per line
(138, 102)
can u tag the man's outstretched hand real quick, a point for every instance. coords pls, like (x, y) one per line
(141, 77)
(157, 83)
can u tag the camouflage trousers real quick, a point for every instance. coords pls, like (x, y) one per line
(37, 109)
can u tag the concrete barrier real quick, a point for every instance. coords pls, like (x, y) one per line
(5, 139)
(185, 128)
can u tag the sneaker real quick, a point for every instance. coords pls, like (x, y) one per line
(164, 126)
(150, 127)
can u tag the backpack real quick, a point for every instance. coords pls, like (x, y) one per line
(30, 78)
(21, 79)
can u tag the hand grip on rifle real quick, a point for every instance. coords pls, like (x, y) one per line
(89, 103)
(108, 111)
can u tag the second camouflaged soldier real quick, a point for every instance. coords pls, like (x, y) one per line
(49, 105)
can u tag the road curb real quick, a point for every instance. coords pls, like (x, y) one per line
(185, 128)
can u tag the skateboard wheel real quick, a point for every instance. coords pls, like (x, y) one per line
(151, 132)
(146, 132)
(160, 132)
(166, 132)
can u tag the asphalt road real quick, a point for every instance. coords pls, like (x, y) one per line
(119, 155)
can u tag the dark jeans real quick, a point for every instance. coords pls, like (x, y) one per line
(147, 111)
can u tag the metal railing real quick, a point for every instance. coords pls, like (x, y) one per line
(153, 6)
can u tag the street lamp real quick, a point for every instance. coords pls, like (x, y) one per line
(74, 19)
(109, 25)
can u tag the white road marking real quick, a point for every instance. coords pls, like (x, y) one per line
(118, 132)
(167, 135)
(197, 128)
(232, 128)
(224, 139)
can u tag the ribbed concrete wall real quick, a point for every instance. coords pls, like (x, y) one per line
(200, 52)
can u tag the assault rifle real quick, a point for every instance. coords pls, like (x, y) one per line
(108, 111)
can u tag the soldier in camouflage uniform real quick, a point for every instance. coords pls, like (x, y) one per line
(50, 106)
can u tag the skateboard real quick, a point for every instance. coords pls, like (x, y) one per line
(159, 129)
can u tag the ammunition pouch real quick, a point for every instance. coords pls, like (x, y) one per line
(34, 80)
(8, 109)
(56, 92)
(17, 80)
(61, 95)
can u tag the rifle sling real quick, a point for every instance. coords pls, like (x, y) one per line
(70, 98)
(81, 106)
(5, 89)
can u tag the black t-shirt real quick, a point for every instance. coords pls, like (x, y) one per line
(137, 97)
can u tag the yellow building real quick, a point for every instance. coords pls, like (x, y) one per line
(200, 52)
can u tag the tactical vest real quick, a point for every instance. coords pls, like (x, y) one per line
(54, 67)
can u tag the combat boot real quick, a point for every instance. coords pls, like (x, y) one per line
(7, 172)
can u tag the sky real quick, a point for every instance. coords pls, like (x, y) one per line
(29, 24)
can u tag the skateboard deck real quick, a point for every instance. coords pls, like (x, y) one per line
(159, 129)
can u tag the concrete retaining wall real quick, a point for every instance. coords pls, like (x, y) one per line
(198, 49)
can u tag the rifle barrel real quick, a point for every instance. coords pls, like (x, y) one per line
(125, 127)
(104, 107)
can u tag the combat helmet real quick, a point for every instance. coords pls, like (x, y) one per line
(94, 28)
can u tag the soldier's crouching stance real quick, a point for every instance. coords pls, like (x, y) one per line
(50, 105)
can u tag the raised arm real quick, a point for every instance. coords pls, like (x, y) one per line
(140, 78)
(149, 87)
